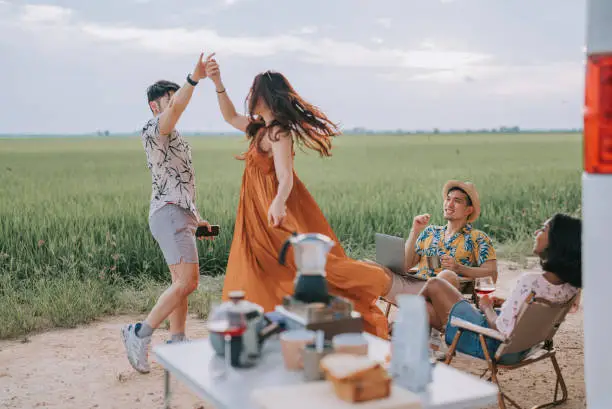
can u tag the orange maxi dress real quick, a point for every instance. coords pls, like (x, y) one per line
(253, 260)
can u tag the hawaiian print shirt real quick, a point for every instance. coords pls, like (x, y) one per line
(469, 247)
(169, 160)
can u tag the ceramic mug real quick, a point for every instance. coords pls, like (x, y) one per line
(434, 262)
(292, 343)
(350, 343)
(312, 359)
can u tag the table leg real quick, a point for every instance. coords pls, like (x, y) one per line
(166, 389)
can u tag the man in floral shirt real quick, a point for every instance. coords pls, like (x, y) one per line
(463, 250)
(173, 216)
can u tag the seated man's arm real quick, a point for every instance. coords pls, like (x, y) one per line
(486, 260)
(411, 257)
(488, 268)
(415, 244)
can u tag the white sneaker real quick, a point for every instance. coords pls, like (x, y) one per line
(438, 345)
(178, 341)
(434, 339)
(137, 348)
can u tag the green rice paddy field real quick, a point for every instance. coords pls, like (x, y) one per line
(75, 243)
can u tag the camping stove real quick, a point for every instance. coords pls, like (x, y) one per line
(335, 317)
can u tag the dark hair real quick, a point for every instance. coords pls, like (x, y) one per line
(469, 199)
(309, 124)
(160, 89)
(563, 256)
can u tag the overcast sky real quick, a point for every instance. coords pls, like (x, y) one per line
(81, 65)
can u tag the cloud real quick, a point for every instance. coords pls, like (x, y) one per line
(384, 21)
(306, 30)
(553, 78)
(39, 13)
(229, 3)
(183, 41)
(319, 51)
(504, 80)
(427, 45)
(445, 76)
(377, 40)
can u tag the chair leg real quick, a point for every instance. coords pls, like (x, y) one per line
(559, 383)
(493, 369)
(387, 309)
(484, 373)
(451, 352)
(513, 403)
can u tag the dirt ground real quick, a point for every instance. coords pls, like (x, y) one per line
(86, 367)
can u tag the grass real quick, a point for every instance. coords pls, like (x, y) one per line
(75, 243)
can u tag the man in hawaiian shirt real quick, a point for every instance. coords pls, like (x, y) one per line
(463, 250)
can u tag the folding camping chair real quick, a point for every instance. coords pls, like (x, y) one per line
(537, 323)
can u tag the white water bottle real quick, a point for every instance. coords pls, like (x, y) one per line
(410, 364)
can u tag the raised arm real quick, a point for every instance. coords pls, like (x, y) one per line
(180, 99)
(411, 258)
(228, 110)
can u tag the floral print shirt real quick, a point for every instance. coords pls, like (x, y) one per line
(169, 161)
(525, 285)
(469, 247)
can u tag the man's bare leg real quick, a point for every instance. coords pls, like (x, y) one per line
(137, 338)
(178, 317)
(187, 276)
(434, 320)
(451, 277)
(398, 284)
(401, 285)
(442, 296)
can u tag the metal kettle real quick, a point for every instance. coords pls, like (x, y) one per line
(310, 254)
(247, 326)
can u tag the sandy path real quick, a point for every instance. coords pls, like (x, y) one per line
(83, 367)
(86, 367)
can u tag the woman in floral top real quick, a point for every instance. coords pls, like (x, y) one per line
(558, 244)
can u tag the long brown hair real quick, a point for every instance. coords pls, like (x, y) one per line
(307, 124)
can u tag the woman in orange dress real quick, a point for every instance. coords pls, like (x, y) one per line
(274, 202)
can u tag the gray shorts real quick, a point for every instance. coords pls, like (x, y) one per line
(174, 230)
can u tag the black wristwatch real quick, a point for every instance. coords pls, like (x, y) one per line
(192, 82)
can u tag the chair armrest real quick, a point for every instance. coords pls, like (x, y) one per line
(468, 326)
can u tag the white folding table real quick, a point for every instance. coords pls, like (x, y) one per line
(195, 364)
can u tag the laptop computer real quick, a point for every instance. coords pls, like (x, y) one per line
(390, 253)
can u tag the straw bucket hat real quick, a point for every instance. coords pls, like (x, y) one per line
(470, 190)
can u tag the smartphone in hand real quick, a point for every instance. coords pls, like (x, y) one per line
(202, 231)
